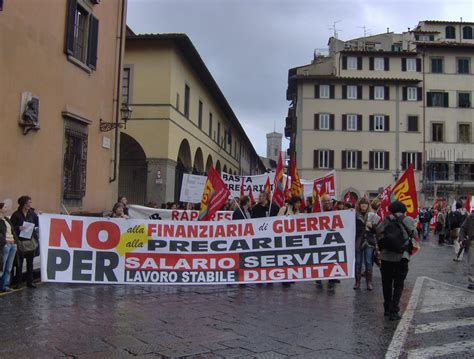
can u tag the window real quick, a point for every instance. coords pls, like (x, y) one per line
(378, 160)
(352, 92)
(464, 99)
(467, 32)
(437, 99)
(324, 122)
(75, 161)
(464, 133)
(352, 123)
(464, 171)
(219, 142)
(210, 124)
(437, 132)
(425, 38)
(411, 157)
(463, 66)
(126, 85)
(379, 123)
(82, 33)
(379, 63)
(379, 92)
(351, 159)
(186, 100)
(437, 171)
(324, 159)
(352, 63)
(412, 124)
(324, 91)
(450, 32)
(411, 64)
(412, 93)
(200, 115)
(437, 65)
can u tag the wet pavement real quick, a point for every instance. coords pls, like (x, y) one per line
(303, 321)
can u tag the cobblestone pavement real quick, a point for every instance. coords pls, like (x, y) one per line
(303, 321)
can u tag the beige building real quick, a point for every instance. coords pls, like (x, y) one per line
(181, 121)
(378, 103)
(61, 67)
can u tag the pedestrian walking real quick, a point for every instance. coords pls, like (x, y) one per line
(466, 234)
(454, 221)
(242, 212)
(441, 226)
(395, 240)
(22, 219)
(365, 244)
(425, 220)
(8, 248)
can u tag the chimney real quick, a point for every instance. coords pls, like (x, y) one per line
(388, 30)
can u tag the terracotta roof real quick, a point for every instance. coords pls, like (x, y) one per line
(447, 22)
(378, 52)
(425, 31)
(360, 79)
(446, 44)
(192, 56)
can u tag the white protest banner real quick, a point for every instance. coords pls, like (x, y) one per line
(141, 212)
(192, 188)
(126, 251)
(255, 183)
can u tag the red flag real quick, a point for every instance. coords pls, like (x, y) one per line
(347, 197)
(278, 188)
(467, 205)
(267, 187)
(316, 199)
(296, 188)
(385, 200)
(214, 196)
(287, 189)
(252, 200)
(242, 188)
(405, 191)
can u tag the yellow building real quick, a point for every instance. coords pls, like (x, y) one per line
(181, 121)
(60, 64)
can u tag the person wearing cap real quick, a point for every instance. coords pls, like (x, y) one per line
(8, 248)
(394, 265)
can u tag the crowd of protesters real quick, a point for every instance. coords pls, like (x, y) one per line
(387, 242)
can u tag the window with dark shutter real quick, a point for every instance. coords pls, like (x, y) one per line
(344, 91)
(371, 63)
(419, 159)
(359, 160)
(371, 160)
(418, 65)
(371, 92)
(404, 64)
(75, 162)
(419, 93)
(359, 92)
(404, 93)
(344, 122)
(93, 42)
(386, 63)
(331, 122)
(371, 122)
(331, 159)
(331, 91)
(387, 93)
(386, 160)
(359, 62)
(344, 62)
(450, 32)
(359, 122)
(467, 32)
(446, 99)
(316, 91)
(315, 159)
(387, 124)
(412, 124)
(316, 121)
(70, 25)
(343, 159)
(404, 160)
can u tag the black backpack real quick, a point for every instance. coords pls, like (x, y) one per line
(394, 235)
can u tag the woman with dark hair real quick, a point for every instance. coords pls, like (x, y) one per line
(293, 207)
(242, 212)
(118, 211)
(25, 213)
(8, 248)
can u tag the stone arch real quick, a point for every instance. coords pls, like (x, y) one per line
(209, 163)
(133, 170)
(225, 168)
(198, 167)
(218, 167)
(183, 165)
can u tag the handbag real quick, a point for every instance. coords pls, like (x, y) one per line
(27, 246)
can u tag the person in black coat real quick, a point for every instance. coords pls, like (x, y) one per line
(24, 213)
(242, 212)
(263, 208)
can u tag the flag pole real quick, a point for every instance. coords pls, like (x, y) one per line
(243, 214)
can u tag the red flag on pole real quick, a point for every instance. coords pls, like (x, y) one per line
(287, 189)
(252, 200)
(214, 196)
(405, 191)
(267, 187)
(278, 187)
(385, 200)
(347, 197)
(242, 188)
(316, 199)
(296, 188)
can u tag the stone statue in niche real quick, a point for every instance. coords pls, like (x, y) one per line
(29, 118)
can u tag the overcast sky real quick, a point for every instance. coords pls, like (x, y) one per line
(249, 45)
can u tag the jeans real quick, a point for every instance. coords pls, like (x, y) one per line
(393, 280)
(365, 256)
(9, 252)
(426, 230)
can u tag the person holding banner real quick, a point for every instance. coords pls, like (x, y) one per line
(293, 207)
(264, 208)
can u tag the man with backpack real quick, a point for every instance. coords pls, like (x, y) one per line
(453, 223)
(395, 236)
